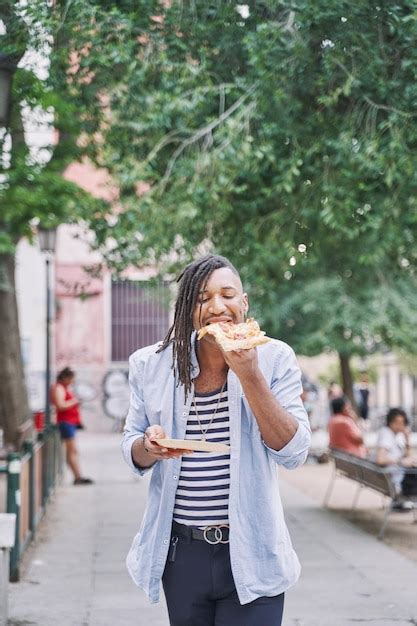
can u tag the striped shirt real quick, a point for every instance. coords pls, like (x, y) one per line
(202, 497)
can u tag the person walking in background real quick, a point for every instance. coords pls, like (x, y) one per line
(68, 420)
(214, 530)
(362, 389)
(344, 432)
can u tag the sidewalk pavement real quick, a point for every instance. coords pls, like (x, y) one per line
(74, 574)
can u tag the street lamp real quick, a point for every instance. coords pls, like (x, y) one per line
(47, 240)
(7, 69)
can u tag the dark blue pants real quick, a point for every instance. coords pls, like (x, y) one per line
(200, 590)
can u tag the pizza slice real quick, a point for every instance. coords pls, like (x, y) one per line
(235, 336)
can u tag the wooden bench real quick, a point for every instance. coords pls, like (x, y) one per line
(368, 474)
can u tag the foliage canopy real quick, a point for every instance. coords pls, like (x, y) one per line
(283, 136)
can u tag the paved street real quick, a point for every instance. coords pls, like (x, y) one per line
(74, 574)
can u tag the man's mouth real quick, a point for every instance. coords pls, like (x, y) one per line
(219, 320)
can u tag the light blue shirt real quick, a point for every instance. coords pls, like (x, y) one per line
(263, 560)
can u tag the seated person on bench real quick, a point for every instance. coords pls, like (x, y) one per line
(344, 432)
(393, 448)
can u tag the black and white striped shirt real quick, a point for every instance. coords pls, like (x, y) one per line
(202, 497)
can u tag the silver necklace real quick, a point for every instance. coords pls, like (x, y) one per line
(204, 431)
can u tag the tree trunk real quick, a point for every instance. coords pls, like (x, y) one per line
(14, 408)
(347, 378)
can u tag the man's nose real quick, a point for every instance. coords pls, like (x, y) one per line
(216, 305)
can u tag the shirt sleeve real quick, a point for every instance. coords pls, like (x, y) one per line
(287, 388)
(136, 420)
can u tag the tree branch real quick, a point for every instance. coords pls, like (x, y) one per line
(382, 107)
(208, 128)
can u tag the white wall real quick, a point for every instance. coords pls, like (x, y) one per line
(31, 300)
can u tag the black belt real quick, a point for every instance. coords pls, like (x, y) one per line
(211, 534)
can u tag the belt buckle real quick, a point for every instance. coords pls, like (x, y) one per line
(218, 534)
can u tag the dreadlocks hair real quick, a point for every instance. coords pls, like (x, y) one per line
(192, 280)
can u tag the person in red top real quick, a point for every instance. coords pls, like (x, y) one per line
(68, 420)
(344, 432)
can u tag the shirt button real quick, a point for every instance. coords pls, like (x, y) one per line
(184, 413)
(165, 541)
(175, 477)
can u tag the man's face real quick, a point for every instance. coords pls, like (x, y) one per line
(222, 300)
(398, 424)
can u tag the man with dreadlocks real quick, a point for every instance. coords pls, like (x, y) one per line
(214, 530)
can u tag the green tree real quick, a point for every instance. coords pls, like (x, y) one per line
(278, 135)
(274, 134)
(32, 187)
(330, 314)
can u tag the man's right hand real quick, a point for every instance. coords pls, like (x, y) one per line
(155, 451)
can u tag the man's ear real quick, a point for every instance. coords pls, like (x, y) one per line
(245, 304)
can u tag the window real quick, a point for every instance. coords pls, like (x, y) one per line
(139, 316)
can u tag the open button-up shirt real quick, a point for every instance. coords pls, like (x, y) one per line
(263, 560)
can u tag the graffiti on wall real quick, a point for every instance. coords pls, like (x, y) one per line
(116, 394)
(104, 396)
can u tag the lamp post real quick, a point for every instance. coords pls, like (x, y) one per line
(47, 240)
(7, 69)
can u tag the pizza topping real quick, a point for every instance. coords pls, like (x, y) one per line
(235, 336)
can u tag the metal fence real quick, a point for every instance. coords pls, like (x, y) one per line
(32, 476)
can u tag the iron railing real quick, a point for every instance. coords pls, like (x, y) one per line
(32, 476)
